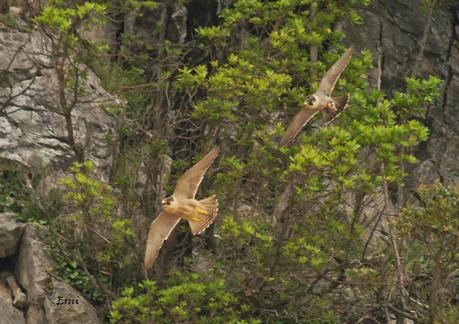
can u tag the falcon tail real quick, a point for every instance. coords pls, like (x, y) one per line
(341, 104)
(207, 211)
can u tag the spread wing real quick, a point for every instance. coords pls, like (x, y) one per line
(188, 183)
(296, 125)
(329, 80)
(160, 229)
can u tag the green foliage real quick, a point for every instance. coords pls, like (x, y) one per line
(122, 6)
(260, 71)
(72, 273)
(432, 232)
(88, 241)
(9, 21)
(12, 193)
(374, 132)
(89, 197)
(17, 194)
(240, 81)
(239, 234)
(436, 218)
(418, 93)
(113, 77)
(190, 297)
(61, 22)
(64, 19)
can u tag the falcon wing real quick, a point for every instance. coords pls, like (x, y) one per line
(329, 80)
(188, 183)
(296, 125)
(160, 229)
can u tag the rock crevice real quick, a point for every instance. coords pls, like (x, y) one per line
(29, 293)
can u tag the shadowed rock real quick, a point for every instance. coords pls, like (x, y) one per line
(8, 313)
(10, 235)
(44, 290)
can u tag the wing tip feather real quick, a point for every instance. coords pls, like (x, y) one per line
(215, 151)
(284, 142)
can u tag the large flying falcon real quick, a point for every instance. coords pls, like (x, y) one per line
(321, 100)
(182, 204)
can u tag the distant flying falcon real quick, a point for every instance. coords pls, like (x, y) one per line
(199, 213)
(321, 100)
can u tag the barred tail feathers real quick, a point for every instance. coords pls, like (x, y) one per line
(341, 102)
(209, 206)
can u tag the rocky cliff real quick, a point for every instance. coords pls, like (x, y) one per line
(32, 133)
(407, 42)
(32, 130)
(404, 38)
(29, 292)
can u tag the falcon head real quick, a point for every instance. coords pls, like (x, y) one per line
(167, 201)
(311, 101)
(169, 204)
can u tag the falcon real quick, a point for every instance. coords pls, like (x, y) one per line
(321, 100)
(182, 204)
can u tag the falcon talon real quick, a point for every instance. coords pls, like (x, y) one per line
(201, 211)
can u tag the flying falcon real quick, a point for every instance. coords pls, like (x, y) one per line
(182, 204)
(321, 100)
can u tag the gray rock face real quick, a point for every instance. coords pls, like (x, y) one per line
(19, 298)
(65, 305)
(8, 313)
(35, 315)
(393, 32)
(48, 299)
(32, 129)
(32, 267)
(167, 20)
(10, 235)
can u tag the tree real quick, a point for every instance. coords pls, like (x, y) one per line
(313, 232)
(322, 239)
(433, 228)
(60, 23)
